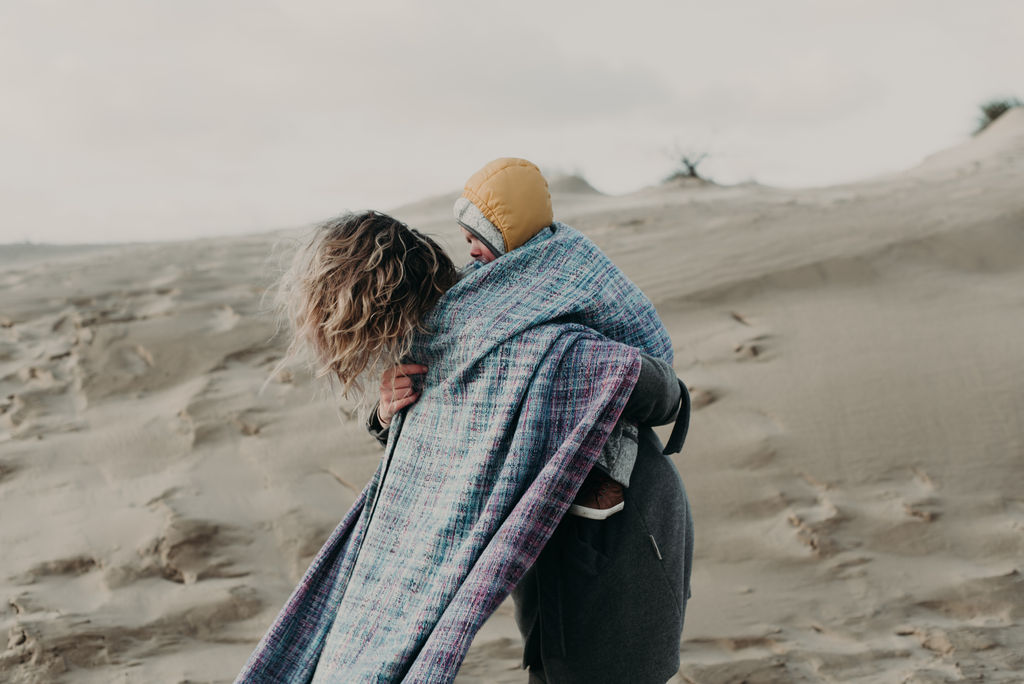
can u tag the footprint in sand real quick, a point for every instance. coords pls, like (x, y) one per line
(40, 411)
(815, 527)
(71, 566)
(992, 600)
(159, 302)
(220, 409)
(255, 356)
(752, 348)
(920, 502)
(739, 318)
(701, 397)
(246, 424)
(816, 524)
(927, 510)
(850, 567)
(188, 550)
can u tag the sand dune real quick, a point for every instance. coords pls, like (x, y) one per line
(855, 459)
(571, 185)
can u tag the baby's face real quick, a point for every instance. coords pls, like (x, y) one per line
(477, 249)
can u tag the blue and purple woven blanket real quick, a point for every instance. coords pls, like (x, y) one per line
(531, 359)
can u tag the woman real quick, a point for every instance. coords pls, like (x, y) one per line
(519, 397)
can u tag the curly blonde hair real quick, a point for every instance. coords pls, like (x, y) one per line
(357, 292)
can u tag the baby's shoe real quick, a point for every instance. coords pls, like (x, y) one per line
(599, 497)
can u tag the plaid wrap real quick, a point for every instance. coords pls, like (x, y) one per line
(531, 359)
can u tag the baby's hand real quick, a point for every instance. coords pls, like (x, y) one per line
(397, 390)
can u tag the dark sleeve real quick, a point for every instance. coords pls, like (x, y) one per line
(374, 427)
(656, 397)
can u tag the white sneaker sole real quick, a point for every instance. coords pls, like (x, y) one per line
(596, 513)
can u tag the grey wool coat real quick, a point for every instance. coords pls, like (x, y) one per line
(606, 599)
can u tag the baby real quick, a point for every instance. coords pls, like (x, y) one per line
(503, 206)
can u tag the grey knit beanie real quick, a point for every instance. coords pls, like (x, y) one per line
(473, 220)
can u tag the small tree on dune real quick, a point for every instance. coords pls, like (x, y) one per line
(993, 109)
(686, 166)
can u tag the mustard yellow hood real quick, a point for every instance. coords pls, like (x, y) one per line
(505, 204)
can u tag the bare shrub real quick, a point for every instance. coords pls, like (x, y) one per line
(993, 109)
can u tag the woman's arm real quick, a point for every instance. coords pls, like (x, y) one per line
(656, 396)
(654, 401)
(376, 428)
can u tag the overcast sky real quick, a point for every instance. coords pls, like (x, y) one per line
(148, 120)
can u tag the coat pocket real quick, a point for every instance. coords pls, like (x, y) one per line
(590, 545)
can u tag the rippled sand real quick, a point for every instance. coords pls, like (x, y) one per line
(855, 463)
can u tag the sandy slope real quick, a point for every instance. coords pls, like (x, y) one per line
(855, 463)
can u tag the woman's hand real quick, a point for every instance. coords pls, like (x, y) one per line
(397, 391)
